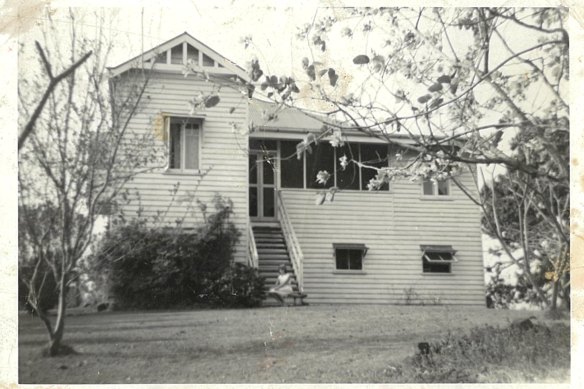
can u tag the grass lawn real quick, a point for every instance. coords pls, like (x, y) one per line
(325, 343)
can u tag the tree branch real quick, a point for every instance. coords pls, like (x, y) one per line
(54, 81)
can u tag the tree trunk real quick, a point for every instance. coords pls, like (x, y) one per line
(554, 302)
(55, 346)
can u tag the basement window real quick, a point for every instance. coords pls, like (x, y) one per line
(437, 258)
(349, 256)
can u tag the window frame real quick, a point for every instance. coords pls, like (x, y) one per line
(184, 120)
(333, 179)
(435, 192)
(362, 248)
(441, 251)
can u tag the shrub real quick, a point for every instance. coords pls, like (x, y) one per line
(240, 286)
(162, 268)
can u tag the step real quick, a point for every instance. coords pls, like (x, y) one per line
(275, 261)
(270, 241)
(268, 273)
(272, 246)
(269, 238)
(267, 251)
(266, 229)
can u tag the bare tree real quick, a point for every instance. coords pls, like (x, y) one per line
(76, 162)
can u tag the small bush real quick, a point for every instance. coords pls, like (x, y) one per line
(490, 354)
(240, 286)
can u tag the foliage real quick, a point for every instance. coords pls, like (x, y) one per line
(491, 354)
(151, 267)
(530, 217)
(239, 286)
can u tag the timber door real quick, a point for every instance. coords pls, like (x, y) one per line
(262, 185)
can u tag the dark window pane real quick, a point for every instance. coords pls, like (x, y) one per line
(428, 187)
(436, 267)
(253, 169)
(291, 168)
(349, 177)
(269, 169)
(376, 156)
(443, 189)
(175, 158)
(321, 158)
(347, 259)
(269, 210)
(253, 202)
(192, 54)
(355, 259)
(341, 259)
(261, 144)
(176, 55)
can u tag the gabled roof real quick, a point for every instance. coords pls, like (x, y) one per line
(225, 65)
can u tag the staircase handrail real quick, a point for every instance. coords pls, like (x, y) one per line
(292, 243)
(253, 257)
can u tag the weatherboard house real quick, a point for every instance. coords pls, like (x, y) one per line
(408, 241)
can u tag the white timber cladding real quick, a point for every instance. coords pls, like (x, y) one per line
(392, 225)
(223, 155)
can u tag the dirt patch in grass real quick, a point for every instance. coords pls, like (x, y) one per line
(325, 344)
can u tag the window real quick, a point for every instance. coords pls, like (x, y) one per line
(291, 168)
(184, 142)
(321, 158)
(348, 177)
(349, 256)
(301, 173)
(436, 188)
(437, 258)
(374, 155)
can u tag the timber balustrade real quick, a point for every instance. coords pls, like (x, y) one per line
(291, 242)
(253, 256)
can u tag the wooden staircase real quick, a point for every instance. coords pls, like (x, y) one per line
(272, 253)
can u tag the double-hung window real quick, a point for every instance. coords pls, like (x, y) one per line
(436, 188)
(184, 144)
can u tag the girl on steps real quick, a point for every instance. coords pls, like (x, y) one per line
(283, 286)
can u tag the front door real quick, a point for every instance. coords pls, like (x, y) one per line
(262, 185)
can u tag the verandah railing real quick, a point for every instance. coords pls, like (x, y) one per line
(291, 242)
